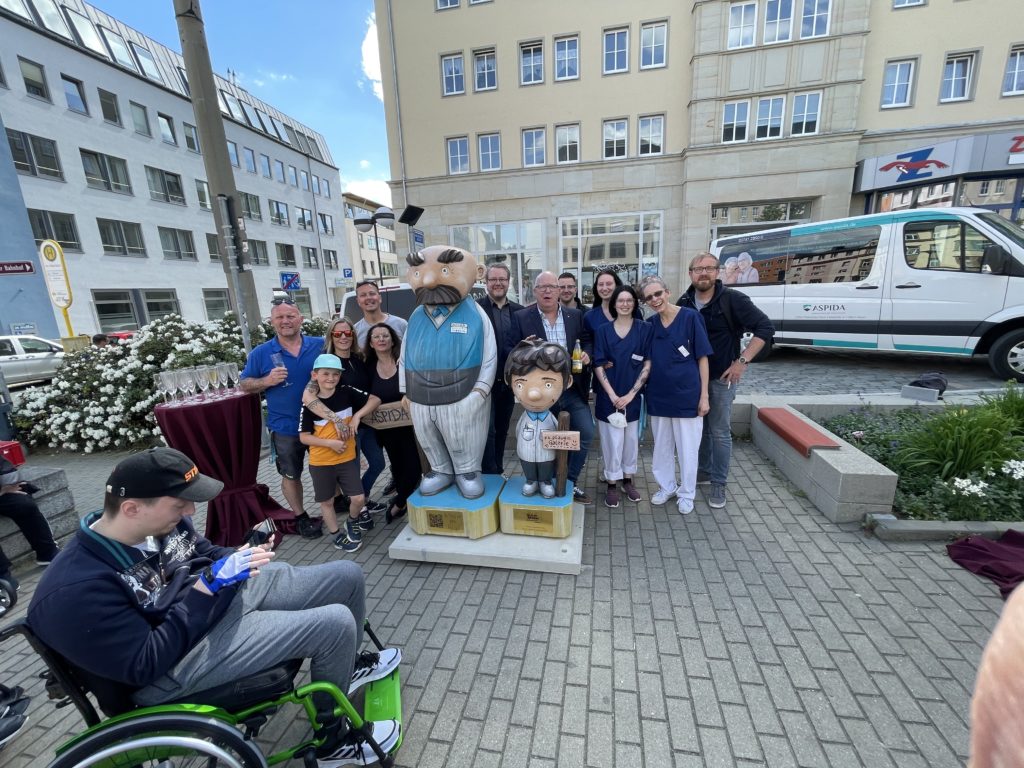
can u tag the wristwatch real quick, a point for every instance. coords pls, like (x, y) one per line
(743, 360)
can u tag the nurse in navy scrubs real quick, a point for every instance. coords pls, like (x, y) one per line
(677, 393)
(621, 367)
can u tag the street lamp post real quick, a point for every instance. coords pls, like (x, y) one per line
(365, 224)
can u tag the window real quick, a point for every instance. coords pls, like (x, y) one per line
(51, 18)
(806, 108)
(485, 69)
(1000, 186)
(957, 75)
(106, 172)
(1013, 80)
(316, 184)
(652, 45)
(74, 94)
(742, 20)
(614, 139)
(49, 225)
(326, 223)
(734, 121)
(489, 149)
(191, 137)
(115, 310)
(303, 217)
(161, 303)
(279, 171)
(531, 63)
(34, 78)
(278, 213)
(121, 238)
(86, 32)
(304, 179)
(325, 187)
(234, 108)
(567, 58)
(233, 153)
(34, 155)
(330, 259)
(213, 246)
(165, 186)
(309, 258)
(203, 193)
(177, 244)
(899, 79)
(140, 119)
(983, 188)
(147, 63)
(166, 129)
(258, 253)
(293, 176)
(778, 21)
(567, 143)
(285, 255)
(250, 205)
(108, 106)
(443, 4)
(616, 51)
(452, 75)
(815, 19)
(651, 132)
(250, 159)
(533, 147)
(265, 166)
(119, 49)
(184, 80)
(216, 302)
(906, 3)
(944, 245)
(769, 118)
(458, 155)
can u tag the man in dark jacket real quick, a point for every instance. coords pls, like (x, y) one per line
(149, 611)
(16, 503)
(500, 309)
(726, 320)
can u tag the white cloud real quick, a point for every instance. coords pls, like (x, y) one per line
(371, 56)
(372, 189)
(364, 164)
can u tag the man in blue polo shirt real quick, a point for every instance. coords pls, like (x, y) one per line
(280, 369)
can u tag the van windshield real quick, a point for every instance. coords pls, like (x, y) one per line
(1004, 227)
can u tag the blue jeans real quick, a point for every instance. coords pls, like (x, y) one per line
(374, 454)
(716, 440)
(581, 420)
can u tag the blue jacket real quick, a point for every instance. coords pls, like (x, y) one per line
(123, 614)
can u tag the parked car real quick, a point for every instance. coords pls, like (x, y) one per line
(29, 358)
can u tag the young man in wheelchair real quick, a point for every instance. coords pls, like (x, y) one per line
(150, 611)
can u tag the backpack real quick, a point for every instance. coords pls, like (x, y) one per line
(931, 380)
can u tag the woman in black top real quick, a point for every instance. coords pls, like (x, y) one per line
(381, 352)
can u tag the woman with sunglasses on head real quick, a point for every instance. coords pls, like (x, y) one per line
(383, 347)
(677, 393)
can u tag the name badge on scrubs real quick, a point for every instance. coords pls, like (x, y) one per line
(638, 358)
(459, 328)
(683, 350)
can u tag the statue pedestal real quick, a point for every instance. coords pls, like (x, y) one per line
(450, 514)
(535, 515)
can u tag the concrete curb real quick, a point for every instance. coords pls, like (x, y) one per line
(890, 528)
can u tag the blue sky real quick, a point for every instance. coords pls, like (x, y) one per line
(315, 60)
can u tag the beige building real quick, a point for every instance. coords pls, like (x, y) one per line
(364, 246)
(585, 134)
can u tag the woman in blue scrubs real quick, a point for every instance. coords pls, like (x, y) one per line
(621, 366)
(677, 393)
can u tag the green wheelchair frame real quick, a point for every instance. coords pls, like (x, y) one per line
(215, 735)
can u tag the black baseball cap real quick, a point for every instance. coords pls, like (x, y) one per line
(161, 472)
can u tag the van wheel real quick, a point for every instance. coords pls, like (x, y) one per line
(1006, 357)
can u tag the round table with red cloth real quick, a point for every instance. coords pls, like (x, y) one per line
(223, 436)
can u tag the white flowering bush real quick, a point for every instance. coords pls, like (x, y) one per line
(103, 398)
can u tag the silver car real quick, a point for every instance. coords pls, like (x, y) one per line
(29, 358)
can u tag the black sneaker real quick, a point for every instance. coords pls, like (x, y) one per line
(373, 666)
(9, 727)
(375, 507)
(9, 695)
(365, 521)
(580, 496)
(16, 708)
(310, 528)
(355, 750)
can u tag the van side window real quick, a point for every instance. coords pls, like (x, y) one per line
(943, 245)
(842, 256)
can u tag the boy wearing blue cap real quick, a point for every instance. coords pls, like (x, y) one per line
(332, 454)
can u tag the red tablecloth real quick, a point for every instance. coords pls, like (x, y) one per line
(223, 438)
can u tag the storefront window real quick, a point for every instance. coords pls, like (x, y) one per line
(628, 243)
(519, 245)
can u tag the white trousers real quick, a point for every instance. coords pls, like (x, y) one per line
(676, 441)
(619, 449)
(451, 436)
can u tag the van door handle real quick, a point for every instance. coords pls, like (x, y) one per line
(867, 287)
(908, 285)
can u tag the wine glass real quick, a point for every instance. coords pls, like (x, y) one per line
(180, 378)
(213, 378)
(201, 379)
(278, 360)
(232, 374)
(166, 385)
(187, 382)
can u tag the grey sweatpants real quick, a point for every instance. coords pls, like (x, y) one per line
(314, 612)
(451, 436)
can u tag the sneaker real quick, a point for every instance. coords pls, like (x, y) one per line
(351, 539)
(375, 507)
(310, 528)
(354, 749)
(9, 695)
(662, 497)
(716, 498)
(9, 727)
(364, 522)
(685, 506)
(631, 492)
(16, 708)
(580, 496)
(611, 498)
(372, 666)
(703, 478)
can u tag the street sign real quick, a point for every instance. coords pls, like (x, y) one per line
(346, 272)
(290, 281)
(17, 268)
(55, 273)
(417, 239)
(24, 329)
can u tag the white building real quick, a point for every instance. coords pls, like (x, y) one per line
(102, 136)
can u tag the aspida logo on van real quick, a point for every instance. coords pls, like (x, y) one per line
(824, 307)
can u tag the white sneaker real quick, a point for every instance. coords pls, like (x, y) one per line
(373, 665)
(661, 497)
(354, 749)
(685, 506)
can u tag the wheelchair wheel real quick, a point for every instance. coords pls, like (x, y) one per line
(163, 741)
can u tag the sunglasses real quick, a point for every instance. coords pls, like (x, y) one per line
(279, 302)
(342, 334)
(654, 295)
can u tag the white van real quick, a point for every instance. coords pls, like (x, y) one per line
(937, 280)
(394, 300)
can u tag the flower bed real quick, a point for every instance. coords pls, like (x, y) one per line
(956, 464)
